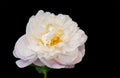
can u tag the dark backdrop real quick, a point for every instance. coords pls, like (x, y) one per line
(115, 4)
(98, 62)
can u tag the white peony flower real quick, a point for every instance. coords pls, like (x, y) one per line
(51, 40)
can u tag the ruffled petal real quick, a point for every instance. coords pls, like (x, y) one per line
(35, 27)
(77, 40)
(22, 51)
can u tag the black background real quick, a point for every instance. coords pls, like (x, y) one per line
(99, 62)
(115, 4)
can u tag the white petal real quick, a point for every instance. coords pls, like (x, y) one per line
(21, 49)
(82, 49)
(68, 58)
(77, 40)
(80, 55)
(64, 18)
(35, 27)
(40, 13)
(51, 63)
(38, 63)
(70, 29)
(14, 53)
(24, 63)
(70, 66)
(30, 25)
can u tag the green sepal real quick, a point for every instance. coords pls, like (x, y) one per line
(40, 69)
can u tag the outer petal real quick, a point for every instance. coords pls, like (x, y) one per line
(68, 58)
(40, 13)
(22, 51)
(70, 66)
(51, 63)
(63, 20)
(80, 55)
(33, 22)
(30, 25)
(24, 63)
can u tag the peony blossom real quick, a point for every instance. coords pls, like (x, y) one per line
(50, 40)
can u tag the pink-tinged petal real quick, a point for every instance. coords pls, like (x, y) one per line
(80, 55)
(21, 49)
(24, 63)
(68, 58)
(82, 49)
(14, 53)
(38, 63)
(52, 63)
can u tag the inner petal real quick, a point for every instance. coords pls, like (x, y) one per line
(52, 36)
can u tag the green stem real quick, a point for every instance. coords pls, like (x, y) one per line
(45, 74)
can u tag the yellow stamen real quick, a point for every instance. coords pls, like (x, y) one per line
(41, 42)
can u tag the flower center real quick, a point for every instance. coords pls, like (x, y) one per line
(51, 37)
